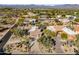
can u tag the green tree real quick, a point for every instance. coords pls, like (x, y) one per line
(49, 33)
(76, 20)
(64, 36)
(77, 37)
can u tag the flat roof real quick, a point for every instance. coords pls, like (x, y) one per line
(51, 28)
(68, 31)
(32, 29)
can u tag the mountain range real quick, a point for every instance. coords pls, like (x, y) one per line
(41, 6)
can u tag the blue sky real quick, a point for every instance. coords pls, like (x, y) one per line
(39, 2)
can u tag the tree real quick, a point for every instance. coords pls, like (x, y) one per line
(64, 36)
(77, 36)
(47, 39)
(76, 43)
(49, 33)
(76, 20)
(19, 32)
(59, 23)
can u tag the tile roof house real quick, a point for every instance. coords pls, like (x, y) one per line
(55, 28)
(71, 37)
(58, 28)
(76, 28)
(71, 34)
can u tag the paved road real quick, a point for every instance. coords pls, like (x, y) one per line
(6, 37)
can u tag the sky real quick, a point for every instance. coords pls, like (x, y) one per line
(39, 2)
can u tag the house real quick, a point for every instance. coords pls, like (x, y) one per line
(25, 15)
(58, 28)
(51, 28)
(71, 34)
(70, 17)
(59, 16)
(76, 28)
(28, 20)
(55, 28)
(43, 16)
(32, 20)
(71, 37)
(65, 20)
(69, 31)
(31, 14)
(33, 28)
(35, 32)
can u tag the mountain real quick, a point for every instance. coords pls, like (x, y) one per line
(25, 6)
(41, 6)
(67, 6)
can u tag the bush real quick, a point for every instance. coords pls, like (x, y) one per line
(46, 41)
(64, 36)
(49, 33)
(77, 20)
(19, 32)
